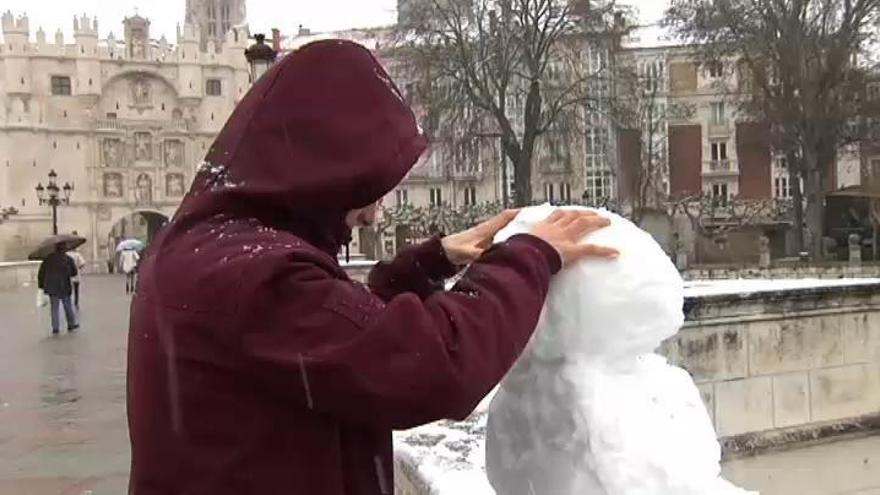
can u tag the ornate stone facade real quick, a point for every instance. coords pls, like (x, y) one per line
(124, 121)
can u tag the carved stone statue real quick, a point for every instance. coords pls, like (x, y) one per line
(142, 146)
(138, 50)
(144, 189)
(140, 92)
(111, 150)
(113, 185)
(173, 153)
(174, 185)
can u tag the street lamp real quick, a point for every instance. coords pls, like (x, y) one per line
(54, 196)
(259, 56)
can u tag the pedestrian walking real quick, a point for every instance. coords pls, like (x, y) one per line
(80, 264)
(255, 365)
(54, 278)
(128, 259)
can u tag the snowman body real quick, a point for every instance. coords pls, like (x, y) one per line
(589, 409)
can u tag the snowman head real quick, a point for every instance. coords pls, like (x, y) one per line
(608, 309)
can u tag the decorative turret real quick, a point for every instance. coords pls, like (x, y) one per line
(15, 26)
(59, 39)
(85, 35)
(88, 67)
(16, 65)
(85, 26)
(41, 37)
(137, 37)
(190, 72)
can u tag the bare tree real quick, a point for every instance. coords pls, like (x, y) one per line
(713, 217)
(505, 70)
(802, 72)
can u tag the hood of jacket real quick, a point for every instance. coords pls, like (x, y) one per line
(323, 132)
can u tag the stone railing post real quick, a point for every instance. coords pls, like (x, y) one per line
(855, 250)
(764, 252)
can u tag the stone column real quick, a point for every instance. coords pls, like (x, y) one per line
(855, 250)
(680, 253)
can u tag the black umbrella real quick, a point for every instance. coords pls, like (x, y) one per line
(47, 247)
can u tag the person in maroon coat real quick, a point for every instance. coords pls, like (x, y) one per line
(256, 366)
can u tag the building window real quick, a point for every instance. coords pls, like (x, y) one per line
(565, 192)
(781, 164)
(470, 196)
(60, 85)
(213, 87)
(720, 191)
(436, 196)
(401, 197)
(598, 186)
(548, 192)
(718, 113)
(596, 148)
(781, 187)
(716, 70)
(719, 150)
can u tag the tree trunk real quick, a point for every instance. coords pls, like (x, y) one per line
(795, 173)
(815, 202)
(505, 182)
(522, 179)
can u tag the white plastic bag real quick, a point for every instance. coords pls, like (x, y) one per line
(42, 299)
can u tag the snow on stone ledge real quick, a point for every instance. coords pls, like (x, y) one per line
(450, 456)
(705, 288)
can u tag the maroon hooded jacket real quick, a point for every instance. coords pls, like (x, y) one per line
(255, 365)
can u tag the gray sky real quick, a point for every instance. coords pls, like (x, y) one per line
(318, 15)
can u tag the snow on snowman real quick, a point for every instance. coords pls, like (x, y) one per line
(589, 408)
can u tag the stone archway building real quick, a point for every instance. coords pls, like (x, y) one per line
(125, 121)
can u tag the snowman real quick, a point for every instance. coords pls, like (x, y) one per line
(589, 408)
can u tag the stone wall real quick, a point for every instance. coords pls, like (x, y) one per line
(18, 274)
(777, 367)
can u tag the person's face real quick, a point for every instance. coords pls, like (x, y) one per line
(363, 217)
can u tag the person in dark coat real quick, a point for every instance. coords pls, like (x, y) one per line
(255, 364)
(54, 278)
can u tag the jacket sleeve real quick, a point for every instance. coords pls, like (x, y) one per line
(405, 362)
(420, 269)
(71, 267)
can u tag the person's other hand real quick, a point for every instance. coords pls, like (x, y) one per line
(465, 247)
(563, 229)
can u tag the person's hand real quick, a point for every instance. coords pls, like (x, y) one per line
(563, 230)
(465, 247)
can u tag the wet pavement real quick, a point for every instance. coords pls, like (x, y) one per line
(63, 427)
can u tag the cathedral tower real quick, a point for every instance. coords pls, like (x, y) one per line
(214, 18)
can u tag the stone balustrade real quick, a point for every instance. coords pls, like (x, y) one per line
(16, 274)
(784, 364)
(834, 270)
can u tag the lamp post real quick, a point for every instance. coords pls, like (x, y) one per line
(259, 56)
(54, 196)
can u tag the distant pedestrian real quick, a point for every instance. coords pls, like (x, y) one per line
(129, 260)
(54, 278)
(80, 263)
